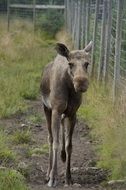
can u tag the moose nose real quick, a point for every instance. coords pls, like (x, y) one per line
(81, 80)
(81, 83)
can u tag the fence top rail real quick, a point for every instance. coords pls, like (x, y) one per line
(26, 6)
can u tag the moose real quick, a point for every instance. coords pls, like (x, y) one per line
(63, 82)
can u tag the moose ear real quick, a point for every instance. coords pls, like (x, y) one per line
(62, 50)
(88, 47)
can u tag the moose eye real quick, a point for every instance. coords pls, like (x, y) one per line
(86, 65)
(71, 65)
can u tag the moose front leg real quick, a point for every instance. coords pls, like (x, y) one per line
(48, 114)
(70, 121)
(55, 131)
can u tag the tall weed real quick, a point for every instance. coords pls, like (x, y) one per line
(22, 57)
(108, 123)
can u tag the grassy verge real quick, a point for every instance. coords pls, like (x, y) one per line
(41, 150)
(108, 123)
(6, 154)
(22, 57)
(22, 137)
(11, 180)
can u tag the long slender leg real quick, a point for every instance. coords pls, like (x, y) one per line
(70, 121)
(48, 114)
(63, 151)
(55, 131)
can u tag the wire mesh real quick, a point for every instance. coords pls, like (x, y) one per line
(113, 40)
(76, 22)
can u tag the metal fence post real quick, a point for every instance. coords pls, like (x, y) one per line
(102, 44)
(8, 15)
(65, 13)
(108, 42)
(68, 16)
(94, 38)
(83, 23)
(87, 34)
(78, 24)
(116, 82)
(34, 14)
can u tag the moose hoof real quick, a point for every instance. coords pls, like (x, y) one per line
(68, 183)
(77, 185)
(47, 179)
(52, 183)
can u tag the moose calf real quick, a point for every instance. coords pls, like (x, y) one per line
(62, 85)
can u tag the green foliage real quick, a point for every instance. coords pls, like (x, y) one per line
(6, 154)
(42, 150)
(51, 22)
(24, 169)
(22, 137)
(35, 118)
(11, 180)
(108, 123)
(22, 57)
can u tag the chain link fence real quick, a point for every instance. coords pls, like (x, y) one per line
(33, 11)
(104, 22)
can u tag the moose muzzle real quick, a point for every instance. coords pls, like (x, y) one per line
(81, 84)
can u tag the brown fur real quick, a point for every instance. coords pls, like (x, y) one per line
(62, 84)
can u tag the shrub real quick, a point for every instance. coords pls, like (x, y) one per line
(51, 22)
(11, 180)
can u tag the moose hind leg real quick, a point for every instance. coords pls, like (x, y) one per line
(70, 121)
(48, 114)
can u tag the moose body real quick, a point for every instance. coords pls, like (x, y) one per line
(62, 85)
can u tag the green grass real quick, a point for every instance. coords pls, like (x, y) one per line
(44, 149)
(24, 169)
(22, 58)
(22, 137)
(108, 123)
(35, 118)
(23, 55)
(6, 154)
(11, 180)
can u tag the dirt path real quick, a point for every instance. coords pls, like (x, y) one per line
(34, 165)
